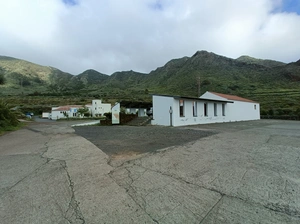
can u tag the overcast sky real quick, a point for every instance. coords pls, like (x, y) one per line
(141, 35)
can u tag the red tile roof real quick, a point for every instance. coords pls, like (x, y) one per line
(232, 97)
(68, 107)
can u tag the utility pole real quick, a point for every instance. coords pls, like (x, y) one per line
(199, 86)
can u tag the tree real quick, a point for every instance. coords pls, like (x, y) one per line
(66, 114)
(83, 111)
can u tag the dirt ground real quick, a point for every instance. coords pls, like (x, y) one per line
(124, 141)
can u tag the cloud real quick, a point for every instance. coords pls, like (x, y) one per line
(117, 35)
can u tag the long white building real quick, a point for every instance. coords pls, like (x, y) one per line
(211, 107)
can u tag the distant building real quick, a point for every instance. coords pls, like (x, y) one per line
(97, 108)
(211, 107)
(67, 111)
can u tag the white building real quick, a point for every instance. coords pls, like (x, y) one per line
(68, 111)
(97, 108)
(209, 108)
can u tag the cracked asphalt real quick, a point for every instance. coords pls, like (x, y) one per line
(243, 172)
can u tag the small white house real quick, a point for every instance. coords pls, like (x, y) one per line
(211, 107)
(64, 111)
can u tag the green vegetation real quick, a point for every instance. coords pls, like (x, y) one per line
(275, 85)
(8, 120)
(83, 112)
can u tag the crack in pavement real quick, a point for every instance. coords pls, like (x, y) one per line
(132, 193)
(285, 209)
(212, 208)
(134, 199)
(21, 180)
(73, 204)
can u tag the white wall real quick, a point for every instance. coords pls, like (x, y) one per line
(56, 115)
(99, 108)
(190, 119)
(161, 108)
(243, 111)
(140, 111)
(236, 111)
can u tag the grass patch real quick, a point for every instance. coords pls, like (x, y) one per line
(7, 129)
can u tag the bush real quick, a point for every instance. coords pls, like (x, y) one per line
(108, 116)
(7, 118)
(2, 79)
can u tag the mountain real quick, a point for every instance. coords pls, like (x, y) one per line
(20, 76)
(91, 76)
(266, 63)
(274, 84)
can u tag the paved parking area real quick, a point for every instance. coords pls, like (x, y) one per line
(244, 172)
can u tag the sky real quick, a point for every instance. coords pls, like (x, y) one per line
(141, 35)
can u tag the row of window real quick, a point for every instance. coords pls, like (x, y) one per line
(195, 114)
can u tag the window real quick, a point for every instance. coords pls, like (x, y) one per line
(223, 109)
(181, 108)
(215, 109)
(205, 109)
(195, 108)
(254, 107)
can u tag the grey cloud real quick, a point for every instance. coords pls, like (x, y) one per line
(117, 35)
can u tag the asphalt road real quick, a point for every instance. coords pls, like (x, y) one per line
(244, 172)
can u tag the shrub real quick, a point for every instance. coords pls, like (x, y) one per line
(2, 79)
(108, 116)
(7, 117)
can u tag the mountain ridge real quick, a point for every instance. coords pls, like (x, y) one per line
(245, 76)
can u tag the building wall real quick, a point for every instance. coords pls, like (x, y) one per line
(98, 108)
(243, 111)
(199, 118)
(56, 115)
(161, 108)
(236, 111)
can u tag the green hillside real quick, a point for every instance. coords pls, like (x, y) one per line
(23, 77)
(274, 84)
(266, 63)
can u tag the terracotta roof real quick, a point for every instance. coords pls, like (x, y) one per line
(233, 97)
(193, 98)
(68, 107)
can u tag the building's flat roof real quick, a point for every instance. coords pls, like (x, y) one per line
(193, 98)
